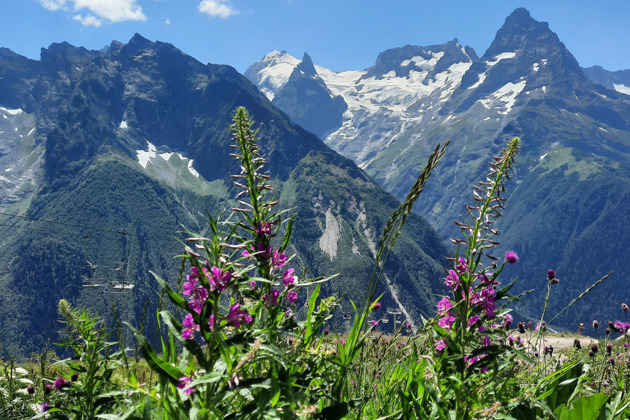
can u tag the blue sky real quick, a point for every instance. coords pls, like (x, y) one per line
(338, 34)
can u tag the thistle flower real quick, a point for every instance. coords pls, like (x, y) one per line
(609, 348)
(624, 307)
(551, 274)
(595, 324)
(511, 257)
(30, 389)
(594, 348)
(577, 344)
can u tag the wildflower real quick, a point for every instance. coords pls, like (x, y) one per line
(473, 320)
(292, 296)
(545, 350)
(511, 257)
(508, 321)
(440, 345)
(272, 298)
(554, 280)
(61, 383)
(612, 361)
(288, 278)
(341, 341)
(595, 324)
(326, 331)
(452, 279)
(551, 274)
(220, 279)
(577, 344)
(609, 348)
(373, 323)
(184, 382)
(189, 327)
(30, 389)
(45, 407)
(377, 306)
(446, 321)
(278, 260)
(47, 389)
(521, 327)
(462, 266)
(486, 341)
(624, 307)
(263, 228)
(236, 316)
(594, 348)
(444, 305)
(530, 325)
(75, 377)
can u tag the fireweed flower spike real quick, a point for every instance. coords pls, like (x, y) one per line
(236, 316)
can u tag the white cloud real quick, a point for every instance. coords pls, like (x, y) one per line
(168, 21)
(88, 20)
(110, 10)
(52, 4)
(217, 8)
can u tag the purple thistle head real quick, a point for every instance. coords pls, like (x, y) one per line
(594, 348)
(511, 257)
(624, 307)
(45, 407)
(47, 389)
(595, 324)
(30, 389)
(59, 384)
(551, 274)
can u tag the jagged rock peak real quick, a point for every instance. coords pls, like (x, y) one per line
(306, 65)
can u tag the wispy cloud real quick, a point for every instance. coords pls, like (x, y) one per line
(167, 21)
(88, 20)
(217, 8)
(98, 10)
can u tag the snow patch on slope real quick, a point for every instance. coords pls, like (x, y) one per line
(146, 156)
(622, 88)
(504, 97)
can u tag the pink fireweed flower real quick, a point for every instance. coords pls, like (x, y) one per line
(373, 323)
(377, 306)
(236, 316)
(220, 279)
(440, 345)
(288, 278)
(452, 279)
(486, 341)
(272, 298)
(462, 266)
(446, 321)
(444, 305)
(189, 327)
(183, 384)
(511, 257)
(261, 251)
(263, 228)
(278, 260)
(473, 320)
(341, 341)
(292, 296)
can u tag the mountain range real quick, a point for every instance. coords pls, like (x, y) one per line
(567, 201)
(110, 158)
